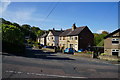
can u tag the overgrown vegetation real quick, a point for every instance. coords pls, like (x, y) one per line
(99, 38)
(13, 36)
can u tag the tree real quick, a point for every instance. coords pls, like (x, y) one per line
(26, 26)
(40, 32)
(105, 32)
(12, 34)
(17, 25)
(98, 38)
(26, 29)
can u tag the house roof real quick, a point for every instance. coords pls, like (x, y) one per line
(56, 32)
(44, 35)
(109, 35)
(69, 32)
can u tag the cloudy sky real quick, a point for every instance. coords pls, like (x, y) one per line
(98, 16)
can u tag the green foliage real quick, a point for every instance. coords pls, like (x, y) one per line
(105, 32)
(40, 32)
(102, 54)
(98, 38)
(89, 52)
(12, 38)
(12, 34)
(101, 43)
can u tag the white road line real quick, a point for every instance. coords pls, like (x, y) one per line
(28, 73)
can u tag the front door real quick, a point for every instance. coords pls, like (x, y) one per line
(71, 45)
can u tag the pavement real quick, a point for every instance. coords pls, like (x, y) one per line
(42, 64)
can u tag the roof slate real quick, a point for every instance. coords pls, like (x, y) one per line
(69, 32)
(109, 35)
(56, 32)
(44, 35)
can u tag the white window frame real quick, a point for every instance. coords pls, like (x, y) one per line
(115, 50)
(75, 38)
(116, 39)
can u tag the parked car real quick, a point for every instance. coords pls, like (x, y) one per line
(41, 45)
(81, 50)
(69, 50)
(51, 47)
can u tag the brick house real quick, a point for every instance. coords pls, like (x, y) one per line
(112, 43)
(76, 37)
(52, 38)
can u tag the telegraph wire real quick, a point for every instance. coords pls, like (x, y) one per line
(50, 12)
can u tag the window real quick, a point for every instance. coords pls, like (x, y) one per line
(60, 38)
(71, 38)
(75, 38)
(115, 52)
(63, 38)
(115, 41)
(52, 37)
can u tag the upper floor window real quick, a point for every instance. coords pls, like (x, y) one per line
(60, 38)
(48, 38)
(71, 38)
(115, 41)
(63, 38)
(75, 38)
(52, 37)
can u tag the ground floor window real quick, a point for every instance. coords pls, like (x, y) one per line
(115, 52)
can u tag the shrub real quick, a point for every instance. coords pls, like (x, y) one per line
(14, 48)
(102, 54)
(89, 52)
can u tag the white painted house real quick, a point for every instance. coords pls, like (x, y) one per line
(52, 38)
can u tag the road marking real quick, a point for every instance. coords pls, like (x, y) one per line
(38, 74)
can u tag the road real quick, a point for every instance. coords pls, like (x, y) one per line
(42, 64)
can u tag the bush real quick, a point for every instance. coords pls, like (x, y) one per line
(80, 52)
(89, 52)
(14, 48)
(102, 54)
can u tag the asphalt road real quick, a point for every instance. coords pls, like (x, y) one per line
(42, 64)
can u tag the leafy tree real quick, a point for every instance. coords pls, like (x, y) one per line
(40, 32)
(26, 26)
(34, 29)
(26, 29)
(12, 34)
(105, 32)
(17, 25)
(98, 38)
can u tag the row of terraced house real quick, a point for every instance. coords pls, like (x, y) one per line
(75, 37)
(80, 38)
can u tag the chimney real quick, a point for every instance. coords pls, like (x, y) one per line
(61, 29)
(53, 28)
(73, 27)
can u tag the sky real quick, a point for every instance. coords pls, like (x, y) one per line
(98, 16)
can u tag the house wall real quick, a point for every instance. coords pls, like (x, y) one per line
(73, 41)
(38, 40)
(108, 46)
(86, 38)
(63, 43)
(52, 40)
(56, 38)
(42, 41)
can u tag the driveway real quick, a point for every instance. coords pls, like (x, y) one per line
(43, 64)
